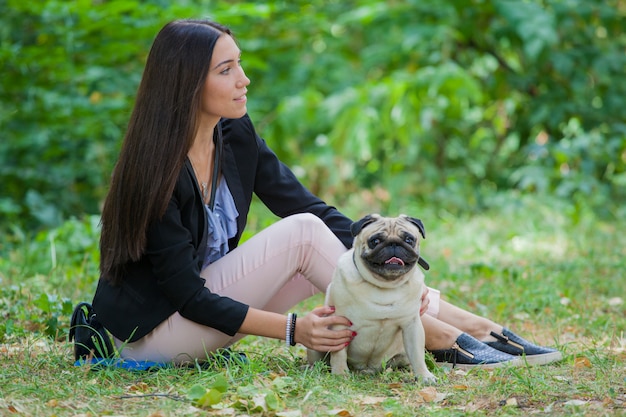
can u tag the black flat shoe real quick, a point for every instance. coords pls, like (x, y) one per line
(515, 345)
(468, 352)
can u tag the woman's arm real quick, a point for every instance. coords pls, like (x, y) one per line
(313, 330)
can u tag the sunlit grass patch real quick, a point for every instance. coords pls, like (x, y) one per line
(532, 267)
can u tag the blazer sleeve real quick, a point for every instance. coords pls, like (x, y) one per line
(176, 266)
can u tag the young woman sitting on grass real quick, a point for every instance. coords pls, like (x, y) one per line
(175, 284)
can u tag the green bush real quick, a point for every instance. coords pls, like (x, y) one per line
(443, 102)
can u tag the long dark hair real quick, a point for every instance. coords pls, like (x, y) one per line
(160, 132)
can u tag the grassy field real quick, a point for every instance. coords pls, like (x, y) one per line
(542, 269)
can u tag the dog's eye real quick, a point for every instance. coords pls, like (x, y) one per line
(373, 242)
(410, 240)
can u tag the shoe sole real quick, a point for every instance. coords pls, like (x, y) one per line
(532, 360)
(464, 366)
(542, 359)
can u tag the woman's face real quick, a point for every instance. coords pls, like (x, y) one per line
(225, 90)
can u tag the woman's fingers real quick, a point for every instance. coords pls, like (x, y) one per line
(323, 344)
(320, 331)
(323, 311)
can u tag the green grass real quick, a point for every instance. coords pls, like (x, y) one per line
(550, 273)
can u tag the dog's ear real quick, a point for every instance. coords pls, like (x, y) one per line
(357, 226)
(419, 224)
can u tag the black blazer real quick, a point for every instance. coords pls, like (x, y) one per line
(167, 277)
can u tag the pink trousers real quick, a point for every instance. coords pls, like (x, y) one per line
(274, 270)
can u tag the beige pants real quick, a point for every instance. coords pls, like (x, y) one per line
(274, 270)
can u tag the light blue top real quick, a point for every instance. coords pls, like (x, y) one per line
(222, 223)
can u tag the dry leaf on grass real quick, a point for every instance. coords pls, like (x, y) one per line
(341, 412)
(369, 400)
(138, 387)
(430, 394)
(479, 404)
(511, 402)
(582, 362)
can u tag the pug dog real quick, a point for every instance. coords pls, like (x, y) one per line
(378, 285)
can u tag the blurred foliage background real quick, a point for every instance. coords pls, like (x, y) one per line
(376, 105)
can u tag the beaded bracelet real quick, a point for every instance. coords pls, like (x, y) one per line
(292, 335)
(290, 329)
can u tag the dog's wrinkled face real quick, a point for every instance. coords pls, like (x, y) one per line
(387, 249)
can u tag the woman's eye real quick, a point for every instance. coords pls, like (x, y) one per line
(225, 71)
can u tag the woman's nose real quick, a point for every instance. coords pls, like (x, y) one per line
(244, 80)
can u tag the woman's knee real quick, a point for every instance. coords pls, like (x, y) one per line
(307, 222)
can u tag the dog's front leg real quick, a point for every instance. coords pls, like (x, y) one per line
(414, 346)
(339, 362)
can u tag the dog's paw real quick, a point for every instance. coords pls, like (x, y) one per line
(427, 379)
(340, 370)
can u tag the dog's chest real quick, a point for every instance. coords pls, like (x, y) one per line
(383, 308)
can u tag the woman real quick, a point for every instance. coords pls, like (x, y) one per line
(174, 283)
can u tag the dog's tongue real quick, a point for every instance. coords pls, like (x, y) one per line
(394, 260)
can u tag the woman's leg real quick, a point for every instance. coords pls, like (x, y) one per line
(450, 321)
(439, 335)
(274, 270)
(476, 326)
(452, 325)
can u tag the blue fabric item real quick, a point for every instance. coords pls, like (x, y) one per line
(223, 357)
(127, 364)
(222, 223)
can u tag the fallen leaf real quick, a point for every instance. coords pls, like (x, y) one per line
(429, 394)
(511, 402)
(372, 400)
(342, 412)
(582, 362)
(139, 386)
(461, 387)
(52, 403)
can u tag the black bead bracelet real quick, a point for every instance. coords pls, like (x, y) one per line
(290, 329)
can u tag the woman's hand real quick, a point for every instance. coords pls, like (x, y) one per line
(315, 330)
(425, 301)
